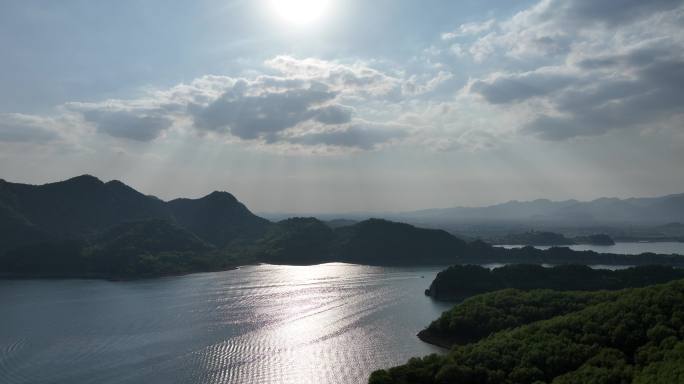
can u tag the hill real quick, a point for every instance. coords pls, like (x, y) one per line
(633, 336)
(133, 249)
(80, 206)
(383, 242)
(460, 281)
(84, 206)
(218, 218)
(296, 240)
(73, 224)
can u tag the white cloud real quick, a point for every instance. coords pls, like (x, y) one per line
(591, 67)
(469, 29)
(305, 102)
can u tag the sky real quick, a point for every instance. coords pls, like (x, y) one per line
(311, 106)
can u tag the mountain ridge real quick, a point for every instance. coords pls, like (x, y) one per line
(62, 229)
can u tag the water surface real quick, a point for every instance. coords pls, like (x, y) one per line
(331, 323)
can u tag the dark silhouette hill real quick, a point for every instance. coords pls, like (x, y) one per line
(83, 206)
(460, 281)
(299, 240)
(385, 242)
(218, 218)
(79, 206)
(86, 227)
(133, 249)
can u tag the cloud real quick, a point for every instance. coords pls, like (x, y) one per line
(255, 112)
(299, 102)
(415, 86)
(305, 102)
(596, 66)
(468, 29)
(365, 136)
(555, 27)
(20, 128)
(356, 78)
(653, 96)
(333, 114)
(583, 12)
(504, 88)
(127, 124)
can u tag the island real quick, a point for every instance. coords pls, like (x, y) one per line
(461, 281)
(544, 238)
(596, 239)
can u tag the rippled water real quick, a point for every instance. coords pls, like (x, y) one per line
(664, 247)
(332, 323)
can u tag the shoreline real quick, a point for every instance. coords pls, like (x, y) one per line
(505, 261)
(427, 337)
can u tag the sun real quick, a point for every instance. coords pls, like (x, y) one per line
(300, 12)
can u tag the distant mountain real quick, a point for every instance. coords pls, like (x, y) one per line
(536, 238)
(655, 210)
(337, 223)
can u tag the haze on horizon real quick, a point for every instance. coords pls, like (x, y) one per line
(347, 105)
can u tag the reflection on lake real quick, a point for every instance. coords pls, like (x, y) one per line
(665, 247)
(332, 323)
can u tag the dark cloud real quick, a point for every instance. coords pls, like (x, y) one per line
(612, 12)
(24, 129)
(334, 114)
(653, 95)
(128, 125)
(617, 73)
(265, 115)
(509, 88)
(361, 136)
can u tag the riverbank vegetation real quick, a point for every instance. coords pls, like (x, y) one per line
(461, 281)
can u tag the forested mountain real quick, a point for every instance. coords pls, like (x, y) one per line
(68, 229)
(632, 336)
(79, 206)
(218, 218)
(378, 241)
(83, 206)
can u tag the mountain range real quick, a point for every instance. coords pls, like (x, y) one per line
(603, 211)
(84, 206)
(84, 227)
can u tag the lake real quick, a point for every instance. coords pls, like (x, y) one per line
(665, 247)
(331, 323)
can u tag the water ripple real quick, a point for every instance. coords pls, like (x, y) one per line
(324, 324)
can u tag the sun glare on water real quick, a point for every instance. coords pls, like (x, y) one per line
(300, 12)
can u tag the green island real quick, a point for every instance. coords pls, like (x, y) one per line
(461, 281)
(542, 336)
(552, 238)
